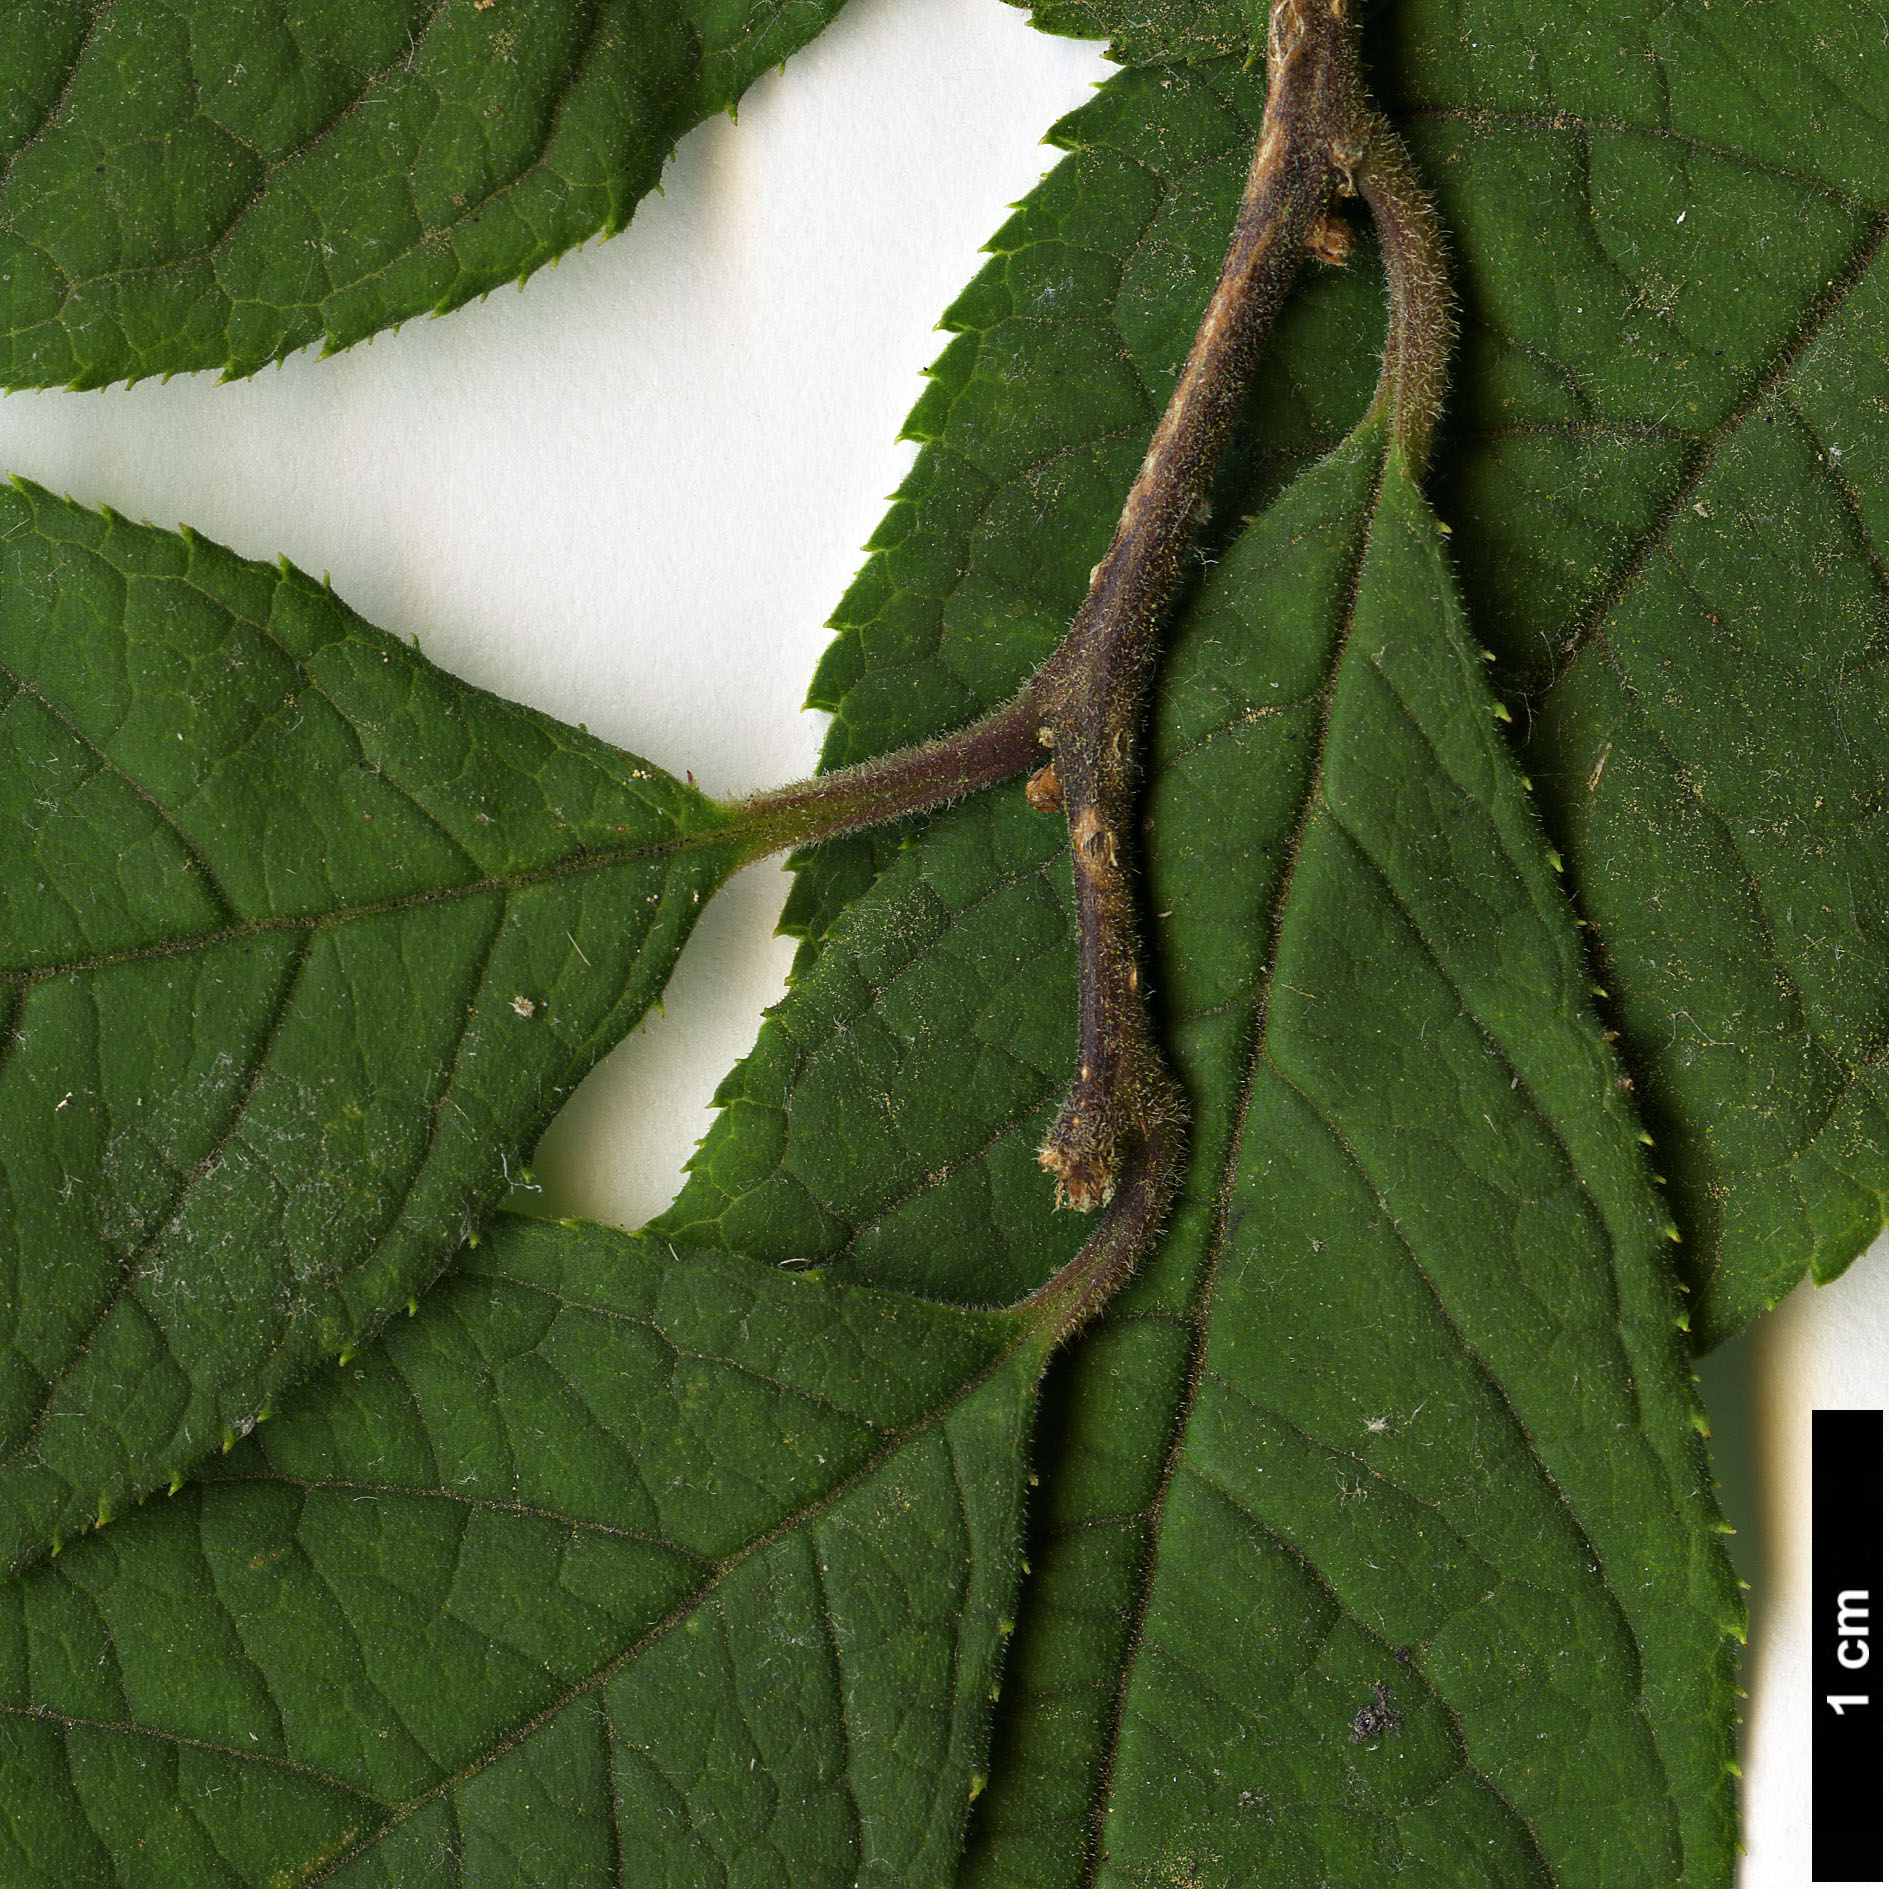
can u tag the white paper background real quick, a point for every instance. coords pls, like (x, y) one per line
(632, 493)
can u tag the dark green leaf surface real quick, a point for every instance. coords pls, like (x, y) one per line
(1435, 1427)
(301, 941)
(1671, 230)
(188, 185)
(614, 1566)
(1664, 461)
(1402, 1398)
(1154, 32)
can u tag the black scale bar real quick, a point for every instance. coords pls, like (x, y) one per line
(1848, 1649)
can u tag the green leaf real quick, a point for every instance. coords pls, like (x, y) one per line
(618, 1551)
(301, 942)
(1663, 462)
(1154, 32)
(614, 1565)
(1348, 1266)
(1400, 1401)
(1671, 240)
(200, 186)
(1402, 1397)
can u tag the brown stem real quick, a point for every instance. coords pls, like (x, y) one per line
(1119, 1137)
(1315, 134)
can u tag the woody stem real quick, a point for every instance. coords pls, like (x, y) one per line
(1120, 1135)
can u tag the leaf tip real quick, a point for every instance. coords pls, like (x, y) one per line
(346, 1356)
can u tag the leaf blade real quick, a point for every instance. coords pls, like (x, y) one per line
(1393, 1037)
(319, 973)
(1650, 293)
(260, 183)
(1243, 753)
(437, 1645)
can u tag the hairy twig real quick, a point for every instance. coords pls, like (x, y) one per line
(1119, 1136)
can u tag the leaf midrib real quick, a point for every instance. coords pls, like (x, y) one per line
(585, 862)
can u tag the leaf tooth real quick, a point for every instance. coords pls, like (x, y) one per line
(176, 1483)
(346, 1356)
(57, 1544)
(229, 1440)
(1554, 859)
(1502, 712)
